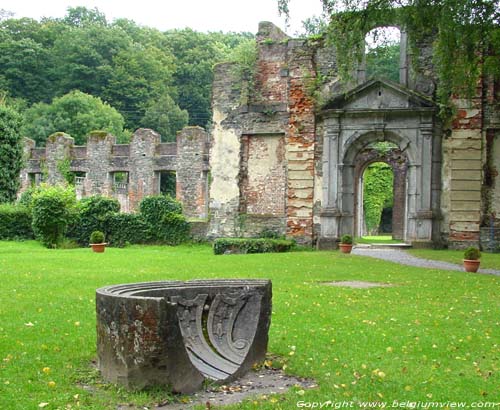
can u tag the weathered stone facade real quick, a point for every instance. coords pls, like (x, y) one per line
(283, 160)
(139, 163)
(288, 147)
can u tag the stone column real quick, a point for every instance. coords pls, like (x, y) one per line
(28, 145)
(330, 212)
(424, 204)
(58, 156)
(142, 181)
(192, 171)
(99, 151)
(225, 156)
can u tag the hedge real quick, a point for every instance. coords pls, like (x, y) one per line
(122, 229)
(15, 222)
(166, 222)
(251, 245)
(92, 215)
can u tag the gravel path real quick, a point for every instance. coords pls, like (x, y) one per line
(404, 258)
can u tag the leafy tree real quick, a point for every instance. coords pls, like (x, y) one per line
(196, 54)
(383, 62)
(75, 113)
(140, 75)
(81, 16)
(164, 116)
(465, 35)
(11, 153)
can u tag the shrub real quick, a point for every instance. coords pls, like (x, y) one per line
(15, 222)
(53, 210)
(270, 234)
(92, 215)
(346, 239)
(96, 237)
(122, 229)
(472, 253)
(251, 245)
(167, 224)
(26, 198)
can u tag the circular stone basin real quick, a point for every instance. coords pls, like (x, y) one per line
(178, 334)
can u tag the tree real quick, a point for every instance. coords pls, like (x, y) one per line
(465, 35)
(75, 113)
(196, 54)
(164, 116)
(383, 61)
(11, 153)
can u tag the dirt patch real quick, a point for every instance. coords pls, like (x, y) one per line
(253, 384)
(358, 284)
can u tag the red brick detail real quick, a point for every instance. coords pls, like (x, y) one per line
(300, 137)
(263, 187)
(463, 236)
(271, 86)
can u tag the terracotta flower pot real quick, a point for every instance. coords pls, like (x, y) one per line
(471, 265)
(345, 247)
(98, 247)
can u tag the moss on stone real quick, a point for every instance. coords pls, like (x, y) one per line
(98, 134)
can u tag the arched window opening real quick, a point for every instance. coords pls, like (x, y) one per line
(382, 53)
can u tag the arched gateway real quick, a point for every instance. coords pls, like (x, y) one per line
(379, 111)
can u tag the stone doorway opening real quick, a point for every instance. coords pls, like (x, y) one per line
(381, 187)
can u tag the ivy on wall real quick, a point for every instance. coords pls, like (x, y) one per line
(378, 193)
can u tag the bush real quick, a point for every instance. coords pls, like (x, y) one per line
(167, 224)
(53, 211)
(92, 215)
(96, 237)
(251, 245)
(122, 229)
(26, 198)
(15, 222)
(346, 239)
(472, 253)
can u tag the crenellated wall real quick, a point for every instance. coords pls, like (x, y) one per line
(139, 164)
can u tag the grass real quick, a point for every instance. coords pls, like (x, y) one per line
(377, 239)
(434, 336)
(488, 260)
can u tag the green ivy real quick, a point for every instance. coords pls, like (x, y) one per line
(378, 193)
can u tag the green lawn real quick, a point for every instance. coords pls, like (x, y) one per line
(432, 337)
(488, 260)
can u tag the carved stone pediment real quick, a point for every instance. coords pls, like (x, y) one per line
(379, 95)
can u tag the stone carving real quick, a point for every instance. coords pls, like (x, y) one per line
(178, 334)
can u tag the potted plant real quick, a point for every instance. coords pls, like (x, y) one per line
(97, 241)
(345, 243)
(471, 259)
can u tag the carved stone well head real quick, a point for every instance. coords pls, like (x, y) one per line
(178, 334)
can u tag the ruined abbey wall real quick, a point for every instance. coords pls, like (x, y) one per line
(140, 165)
(286, 147)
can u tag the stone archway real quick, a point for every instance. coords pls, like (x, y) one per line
(398, 161)
(348, 124)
